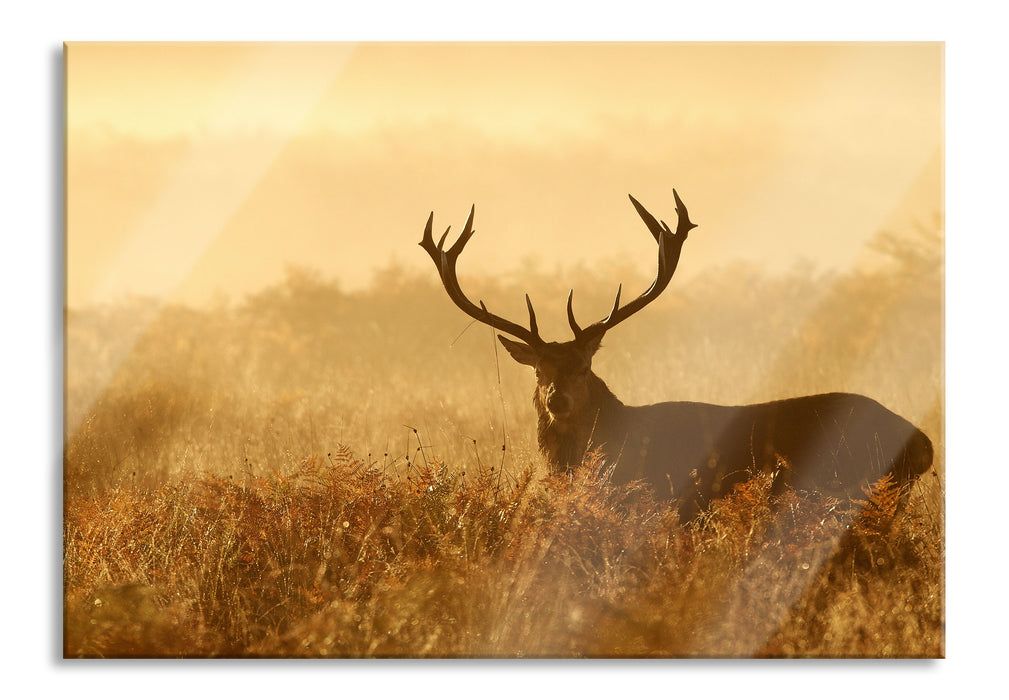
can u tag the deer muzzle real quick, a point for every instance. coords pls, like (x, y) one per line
(558, 403)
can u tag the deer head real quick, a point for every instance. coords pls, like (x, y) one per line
(566, 388)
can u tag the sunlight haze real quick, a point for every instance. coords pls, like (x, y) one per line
(202, 171)
(288, 434)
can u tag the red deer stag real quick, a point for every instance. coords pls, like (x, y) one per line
(829, 443)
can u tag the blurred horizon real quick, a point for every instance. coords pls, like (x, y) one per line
(156, 390)
(202, 172)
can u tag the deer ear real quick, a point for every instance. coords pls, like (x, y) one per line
(522, 353)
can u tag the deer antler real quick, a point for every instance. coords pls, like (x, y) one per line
(445, 261)
(670, 244)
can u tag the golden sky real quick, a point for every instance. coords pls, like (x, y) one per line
(199, 169)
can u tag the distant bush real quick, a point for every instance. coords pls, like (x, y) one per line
(154, 391)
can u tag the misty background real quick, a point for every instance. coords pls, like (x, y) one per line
(201, 171)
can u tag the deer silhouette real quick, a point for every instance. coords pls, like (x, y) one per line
(833, 444)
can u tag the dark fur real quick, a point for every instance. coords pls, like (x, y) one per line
(829, 443)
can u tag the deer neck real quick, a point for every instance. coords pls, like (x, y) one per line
(564, 441)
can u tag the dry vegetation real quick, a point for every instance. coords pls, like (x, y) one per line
(320, 473)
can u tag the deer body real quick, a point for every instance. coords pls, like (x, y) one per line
(833, 444)
(693, 452)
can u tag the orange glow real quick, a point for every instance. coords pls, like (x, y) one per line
(196, 169)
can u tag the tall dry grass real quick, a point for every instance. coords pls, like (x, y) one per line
(322, 473)
(338, 559)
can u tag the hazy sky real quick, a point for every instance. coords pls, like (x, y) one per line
(198, 168)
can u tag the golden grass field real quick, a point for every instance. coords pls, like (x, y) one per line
(313, 472)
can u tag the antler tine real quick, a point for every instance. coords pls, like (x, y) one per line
(533, 328)
(571, 316)
(653, 225)
(467, 233)
(616, 303)
(427, 232)
(445, 260)
(681, 213)
(670, 244)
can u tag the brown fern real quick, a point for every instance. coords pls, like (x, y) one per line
(880, 507)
